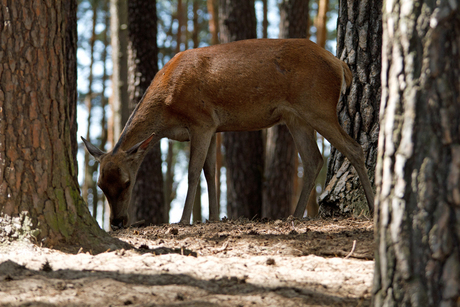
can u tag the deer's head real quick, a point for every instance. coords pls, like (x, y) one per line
(117, 174)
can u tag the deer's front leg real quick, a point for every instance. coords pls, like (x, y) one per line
(199, 146)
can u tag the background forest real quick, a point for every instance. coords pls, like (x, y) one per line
(181, 24)
(405, 63)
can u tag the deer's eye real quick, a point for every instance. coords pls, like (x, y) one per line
(126, 184)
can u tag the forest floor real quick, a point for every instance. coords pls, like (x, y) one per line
(230, 263)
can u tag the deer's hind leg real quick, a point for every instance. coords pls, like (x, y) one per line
(305, 139)
(344, 143)
(210, 175)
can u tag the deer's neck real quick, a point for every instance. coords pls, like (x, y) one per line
(142, 123)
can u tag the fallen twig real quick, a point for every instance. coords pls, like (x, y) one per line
(137, 223)
(352, 249)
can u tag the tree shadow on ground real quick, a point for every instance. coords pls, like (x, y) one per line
(231, 287)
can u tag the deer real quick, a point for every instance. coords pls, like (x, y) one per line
(245, 85)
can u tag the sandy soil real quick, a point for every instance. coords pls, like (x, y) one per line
(230, 263)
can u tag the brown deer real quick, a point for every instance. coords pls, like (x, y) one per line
(240, 86)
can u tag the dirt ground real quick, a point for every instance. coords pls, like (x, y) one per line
(229, 263)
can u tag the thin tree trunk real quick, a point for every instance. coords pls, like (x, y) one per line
(214, 30)
(169, 179)
(213, 10)
(196, 25)
(265, 19)
(418, 171)
(186, 32)
(147, 200)
(38, 187)
(88, 181)
(244, 151)
(119, 39)
(280, 167)
(359, 41)
(321, 22)
(72, 94)
(104, 124)
(180, 21)
(219, 165)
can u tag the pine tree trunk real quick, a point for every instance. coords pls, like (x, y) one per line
(88, 182)
(214, 30)
(244, 151)
(71, 38)
(321, 22)
(103, 123)
(196, 25)
(280, 167)
(213, 21)
(180, 22)
(119, 38)
(147, 200)
(418, 171)
(169, 191)
(265, 19)
(39, 196)
(359, 41)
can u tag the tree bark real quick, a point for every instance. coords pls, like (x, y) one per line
(196, 25)
(39, 195)
(265, 19)
(280, 166)
(321, 23)
(214, 30)
(103, 123)
(180, 22)
(244, 151)
(71, 38)
(88, 182)
(213, 10)
(119, 38)
(418, 171)
(359, 41)
(147, 200)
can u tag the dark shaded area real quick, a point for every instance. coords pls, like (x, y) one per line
(325, 238)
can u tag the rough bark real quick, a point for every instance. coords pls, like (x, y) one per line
(147, 200)
(244, 151)
(359, 41)
(293, 19)
(418, 170)
(280, 166)
(39, 195)
(71, 38)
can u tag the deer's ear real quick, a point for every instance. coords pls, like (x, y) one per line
(141, 146)
(93, 150)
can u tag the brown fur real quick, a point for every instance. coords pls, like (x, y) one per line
(240, 86)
